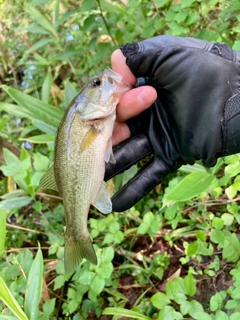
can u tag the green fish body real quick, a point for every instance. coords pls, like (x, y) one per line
(82, 145)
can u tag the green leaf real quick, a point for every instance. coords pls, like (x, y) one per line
(189, 187)
(15, 110)
(159, 300)
(217, 236)
(227, 218)
(40, 162)
(37, 108)
(40, 19)
(220, 315)
(235, 316)
(69, 93)
(216, 302)
(124, 313)
(186, 3)
(48, 306)
(194, 308)
(56, 15)
(190, 285)
(192, 248)
(34, 287)
(231, 304)
(3, 218)
(105, 270)
(203, 316)
(46, 87)
(39, 44)
(107, 254)
(98, 284)
(169, 313)
(43, 138)
(15, 167)
(10, 301)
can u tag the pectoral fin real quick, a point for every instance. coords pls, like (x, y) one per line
(103, 202)
(48, 180)
(89, 137)
(109, 153)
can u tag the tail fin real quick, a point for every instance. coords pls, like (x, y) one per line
(76, 251)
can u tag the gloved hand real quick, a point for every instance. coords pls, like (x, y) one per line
(196, 114)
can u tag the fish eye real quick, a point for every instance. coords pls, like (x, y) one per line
(96, 82)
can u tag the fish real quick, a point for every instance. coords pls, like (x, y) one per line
(82, 146)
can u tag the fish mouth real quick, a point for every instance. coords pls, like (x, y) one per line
(91, 121)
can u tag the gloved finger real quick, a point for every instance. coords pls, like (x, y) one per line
(144, 58)
(127, 154)
(140, 185)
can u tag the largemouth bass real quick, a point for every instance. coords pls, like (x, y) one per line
(82, 145)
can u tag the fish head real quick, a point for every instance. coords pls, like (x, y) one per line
(101, 95)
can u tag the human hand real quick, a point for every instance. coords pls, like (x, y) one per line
(195, 116)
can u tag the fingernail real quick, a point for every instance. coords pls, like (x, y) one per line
(147, 95)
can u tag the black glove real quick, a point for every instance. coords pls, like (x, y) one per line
(196, 115)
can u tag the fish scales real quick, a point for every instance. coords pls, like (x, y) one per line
(82, 145)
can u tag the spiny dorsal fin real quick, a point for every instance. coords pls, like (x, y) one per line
(48, 180)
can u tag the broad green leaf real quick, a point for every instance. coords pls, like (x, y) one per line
(194, 308)
(227, 219)
(43, 138)
(124, 313)
(10, 301)
(194, 168)
(159, 300)
(98, 284)
(235, 315)
(161, 3)
(203, 316)
(40, 19)
(15, 203)
(187, 3)
(15, 110)
(3, 218)
(48, 306)
(69, 93)
(169, 313)
(43, 126)
(236, 46)
(39, 109)
(190, 285)
(46, 87)
(191, 186)
(34, 287)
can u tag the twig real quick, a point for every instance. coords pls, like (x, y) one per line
(212, 203)
(45, 195)
(105, 22)
(25, 229)
(30, 248)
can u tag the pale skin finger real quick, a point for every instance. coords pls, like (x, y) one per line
(132, 102)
